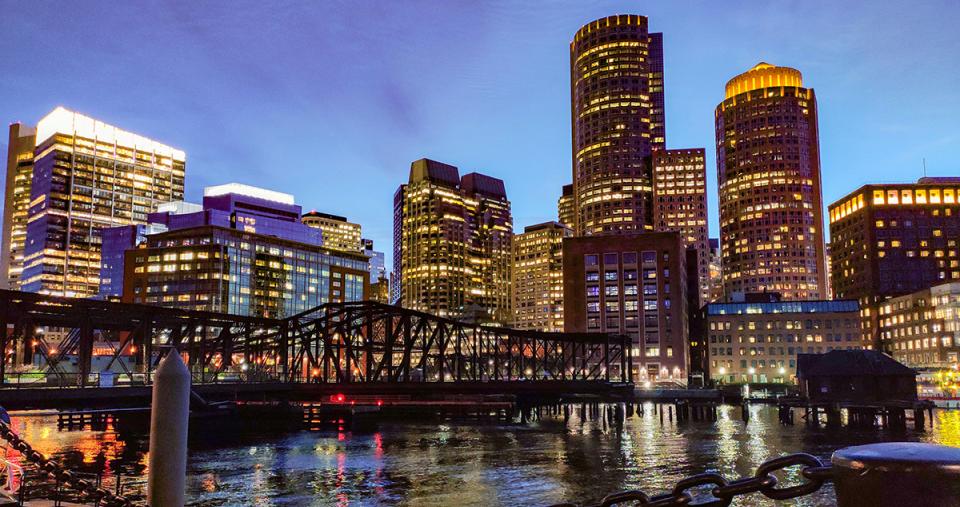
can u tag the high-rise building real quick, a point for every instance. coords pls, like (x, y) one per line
(453, 243)
(633, 284)
(768, 168)
(716, 272)
(892, 240)
(378, 263)
(758, 342)
(88, 176)
(338, 233)
(538, 277)
(680, 204)
(922, 329)
(245, 253)
(22, 141)
(567, 208)
(616, 89)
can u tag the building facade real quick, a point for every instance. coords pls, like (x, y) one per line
(768, 169)
(616, 89)
(715, 262)
(680, 204)
(538, 277)
(567, 208)
(633, 284)
(453, 244)
(892, 240)
(16, 208)
(758, 342)
(922, 329)
(338, 233)
(378, 263)
(245, 253)
(88, 176)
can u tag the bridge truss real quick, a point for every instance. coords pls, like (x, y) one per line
(68, 342)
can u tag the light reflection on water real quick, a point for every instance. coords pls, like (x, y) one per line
(447, 463)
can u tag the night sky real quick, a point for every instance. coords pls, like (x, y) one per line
(331, 101)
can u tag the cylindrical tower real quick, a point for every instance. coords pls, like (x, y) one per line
(616, 89)
(768, 169)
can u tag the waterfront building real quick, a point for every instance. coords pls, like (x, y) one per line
(20, 146)
(567, 208)
(922, 329)
(768, 169)
(716, 271)
(616, 89)
(633, 284)
(889, 240)
(538, 277)
(88, 176)
(758, 342)
(453, 244)
(680, 204)
(338, 233)
(245, 253)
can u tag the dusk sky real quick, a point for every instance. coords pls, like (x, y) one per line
(331, 101)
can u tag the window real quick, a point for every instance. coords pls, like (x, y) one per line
(612, 306)
(593, 307)
(630, 290)
(610, 276)
(593, 276)
(630, 274)
(593, 291)
(590, 260)
(629, 306)
(630, 257)
(611, 290)
(610, 259)
(649, 257)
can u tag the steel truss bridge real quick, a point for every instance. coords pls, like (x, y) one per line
(65, 342)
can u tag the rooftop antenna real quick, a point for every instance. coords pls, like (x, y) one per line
(924, 167)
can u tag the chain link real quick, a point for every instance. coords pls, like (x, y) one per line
(812, 470)
(55, 471)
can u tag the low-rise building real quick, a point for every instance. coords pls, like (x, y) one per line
(922, 329)
(758, 342)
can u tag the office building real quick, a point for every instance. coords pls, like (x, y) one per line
(88, 176)
(19, 176)
(378, 263)
(338, 233)
(922, 329)
(453, 244)
(768, 169)
(567, 208)
(538, 277)
(715, 263)
(633, 284)
(680, 204)
(892, 240)
(245, 253)
(616, 89)
(758, 342)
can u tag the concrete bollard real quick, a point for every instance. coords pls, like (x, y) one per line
(169, 420)
(896, 474)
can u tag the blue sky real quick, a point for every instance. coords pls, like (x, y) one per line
(331, 101)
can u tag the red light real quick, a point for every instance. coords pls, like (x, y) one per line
(338, 398)
(379, 403)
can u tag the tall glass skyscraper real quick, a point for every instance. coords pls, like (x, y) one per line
(87, 176)
(616, 90)
(768, 168)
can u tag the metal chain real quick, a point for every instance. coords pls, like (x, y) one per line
(54, 470)
(814, 472)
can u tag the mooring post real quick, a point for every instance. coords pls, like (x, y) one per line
(169, 420)
(895, 474)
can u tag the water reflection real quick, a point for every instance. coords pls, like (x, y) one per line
(443, 463)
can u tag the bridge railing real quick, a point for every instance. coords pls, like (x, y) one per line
(67, 342)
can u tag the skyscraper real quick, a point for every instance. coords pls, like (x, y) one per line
(338, 233)
(768, 169)
(22, 141)
(538, 277)
(88, 176)
(616, 89)
(680, 204)
(890, 240)
(566, 208)
(453, 249)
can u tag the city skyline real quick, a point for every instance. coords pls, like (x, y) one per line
(230, 128)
